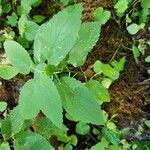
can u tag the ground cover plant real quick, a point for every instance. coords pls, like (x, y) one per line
(74, 75)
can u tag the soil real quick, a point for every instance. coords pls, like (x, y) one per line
(10, 89)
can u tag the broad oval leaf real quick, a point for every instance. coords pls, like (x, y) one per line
(55, 39)
(88, 36)
(29, 98)
(31, 141)
(41, 94)
(79, 102)
(7, 72)
(133, 28)
(18, 56)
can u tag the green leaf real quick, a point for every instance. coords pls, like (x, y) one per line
(82, 128)
(38, 18)
(6, 128)
(106, 82)
(73, 140)
(27, 28)
(100, 92)
(3, 106)
(18, 56)
(7, 72)
(30, 30)
(111, 126)
(144, 15)
(43, 95)
(17, 120)
(55, 39)
(26, 5)
(79, 102)
(12, 20)
(101, 15)
(7, 8)
(121, 6)
(4, 146)
(147, 59)
(106, 69)
(119, 65)
(68, 147)
(98, 67)
(142, 46)
(145, 4)
(111, 136)
(31, 141)
(47, 129)
(136, 52)
(21, 24)
(133, 28)
(84, 43)
(147, 122)
(13, 123)
(103, 145)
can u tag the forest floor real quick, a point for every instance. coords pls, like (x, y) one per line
(130, 94)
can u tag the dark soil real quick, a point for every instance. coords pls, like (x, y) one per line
(9, 90)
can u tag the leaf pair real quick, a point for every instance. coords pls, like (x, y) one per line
(55, 39)
(63, 35)
(41, 94)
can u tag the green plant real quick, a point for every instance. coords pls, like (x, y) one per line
(56, 109)
(139, 49)
(109, 72)
(112, 138)
(135, 17)
(57, 43)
